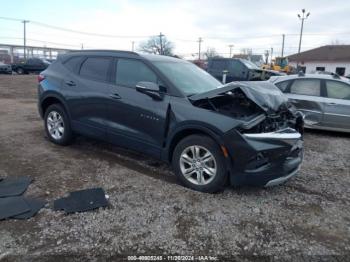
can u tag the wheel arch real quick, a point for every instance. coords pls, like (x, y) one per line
(186, 131)
(50, 99)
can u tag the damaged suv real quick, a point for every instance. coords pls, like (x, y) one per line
(244, 133)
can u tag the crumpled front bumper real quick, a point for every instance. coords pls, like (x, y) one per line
(264, 159)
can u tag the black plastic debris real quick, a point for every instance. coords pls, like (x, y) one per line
(14, 186)
(81, 201)
(13, 206)
(34, 204)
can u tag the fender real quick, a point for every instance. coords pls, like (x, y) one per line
(56, 95)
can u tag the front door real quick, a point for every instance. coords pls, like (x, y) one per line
(136, 120)
(337, 105)
(305, 95)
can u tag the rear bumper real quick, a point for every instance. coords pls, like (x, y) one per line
(265, 159)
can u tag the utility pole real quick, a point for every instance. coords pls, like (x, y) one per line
(271, 55)
(82, 46)
(302, 18)
(133, 46)
(231, 46)
(200, 40)
(161, 43)
(24, 38)
(282, 53)
(266, 57)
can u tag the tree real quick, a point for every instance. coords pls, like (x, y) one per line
(152, 46)
(211, 52)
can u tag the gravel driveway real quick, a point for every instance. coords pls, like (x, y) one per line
(150, 214)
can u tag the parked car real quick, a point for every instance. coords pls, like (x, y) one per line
(171, 109)
(324, 99)
(5, 69)
(31, 65)
(237, 69)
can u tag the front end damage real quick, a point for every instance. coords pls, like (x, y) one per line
(266, 147)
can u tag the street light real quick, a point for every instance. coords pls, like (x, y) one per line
(231, 46)
(302, 18)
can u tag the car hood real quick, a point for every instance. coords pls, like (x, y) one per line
(266, 95)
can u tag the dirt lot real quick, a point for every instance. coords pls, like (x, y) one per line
(150, 213)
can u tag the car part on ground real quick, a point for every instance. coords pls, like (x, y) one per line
(12, 205)
(81, 201)
(14, 186)
(34, 207)
(152, 103)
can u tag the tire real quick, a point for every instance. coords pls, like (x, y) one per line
(185, 160)
(57, 125)
(20, 71)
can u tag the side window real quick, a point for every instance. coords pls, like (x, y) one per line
(96, 68)
(219, 65)
(338, 90)
(130, 72)
(73, 64)
(320, 68)
(310, 87)
(237, 67)
(283, 86)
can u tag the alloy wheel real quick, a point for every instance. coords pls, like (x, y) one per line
(55, 125)
(198, 165)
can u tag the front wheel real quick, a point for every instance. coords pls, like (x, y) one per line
(199, 164)
(57, 125)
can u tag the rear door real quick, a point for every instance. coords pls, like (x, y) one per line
(337, 105)
(136, 120)
(87, 89)
(305, 95)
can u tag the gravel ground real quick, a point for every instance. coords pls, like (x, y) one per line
(151, 214)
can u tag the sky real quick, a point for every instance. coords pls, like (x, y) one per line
(246, 24)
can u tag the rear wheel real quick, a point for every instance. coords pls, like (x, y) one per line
(20, 71)
(199, 164)
(57, 125)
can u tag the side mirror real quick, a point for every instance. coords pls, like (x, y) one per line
(149, 88)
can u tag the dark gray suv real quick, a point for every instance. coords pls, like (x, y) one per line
(241, 133)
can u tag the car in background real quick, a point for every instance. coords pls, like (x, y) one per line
(324, 99)
(244, 133)
(5, 69)
(237, 69)
(31, 65)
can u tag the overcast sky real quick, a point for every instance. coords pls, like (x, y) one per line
(258, 25)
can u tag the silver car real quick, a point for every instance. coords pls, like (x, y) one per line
(324, 99)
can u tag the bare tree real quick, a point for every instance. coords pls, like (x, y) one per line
(153, 46)
(211, 52)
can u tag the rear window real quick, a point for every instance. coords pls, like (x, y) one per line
(96, 68)
(310, 87)
(73, 64)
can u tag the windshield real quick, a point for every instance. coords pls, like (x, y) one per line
(249, 64)
(187, 77)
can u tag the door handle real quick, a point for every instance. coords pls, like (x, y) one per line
(331, 104)
(115, 96)
(70, 83)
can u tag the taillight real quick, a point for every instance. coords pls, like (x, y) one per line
(41, 78)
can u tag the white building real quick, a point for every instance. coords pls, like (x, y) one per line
(331, 58)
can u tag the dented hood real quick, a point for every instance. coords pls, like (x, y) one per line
(265, 94)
